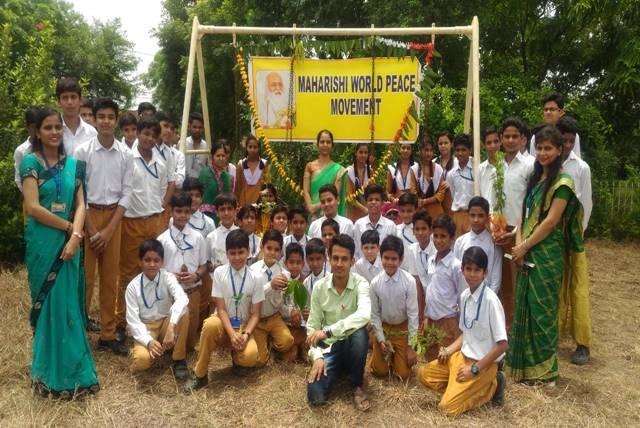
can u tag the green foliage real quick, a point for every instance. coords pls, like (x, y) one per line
(296, 289)
(11, 227)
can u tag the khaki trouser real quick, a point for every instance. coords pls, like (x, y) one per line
(451, 332)
(205, 298)
(281, 338)
(194, 316)
(463, 224)
(297, 350)
(140, 356)
(398, 364)
(134, 232)
(458, 397)
(214, 335)
(108, 263)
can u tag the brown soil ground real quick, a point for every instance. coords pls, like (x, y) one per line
(604, 392)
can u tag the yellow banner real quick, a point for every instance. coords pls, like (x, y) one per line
(334, 94)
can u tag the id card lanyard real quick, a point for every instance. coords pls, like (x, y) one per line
(182, 245)
(235, 322)
(58, 206)
(144, 299)
(464, 312)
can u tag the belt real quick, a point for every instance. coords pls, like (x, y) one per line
(101, 207)
(145, 217)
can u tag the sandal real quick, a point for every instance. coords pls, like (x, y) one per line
(360, 400)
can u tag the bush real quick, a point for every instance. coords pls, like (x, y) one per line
(11, 227)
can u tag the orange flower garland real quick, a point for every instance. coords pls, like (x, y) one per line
(276, 162)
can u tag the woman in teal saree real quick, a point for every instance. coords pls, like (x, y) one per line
(551, 229)
(215, 179)
(323, 171)
(61, 365)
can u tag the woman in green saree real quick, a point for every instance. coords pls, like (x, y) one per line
(551, 228)
(61, 365)
(215, 179)
(323, 171)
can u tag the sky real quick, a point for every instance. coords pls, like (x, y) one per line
(138, 20)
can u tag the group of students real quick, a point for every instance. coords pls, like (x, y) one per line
(195, 254)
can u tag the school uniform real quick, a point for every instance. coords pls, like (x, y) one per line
(167, 156)
(581, 173)
(194, 163)
(405, 232)
(394, 308)
(312, 279)
(254, 248)
(233, 173)
(384, 226)
(180, 166)
(72, 140)
(418, 259)
(428, 187)
(217, 244)
(289, 239)
(494, 254)
(249, 182)
(444, 285)
(346, 226)
(298, 331)
(271, 323)
(18, 155)
(186, 248)
(151, 306)
(482, 324)
(402, 182)
(460, 181)
(204, 225)
(366, 269)
(142, 219)
(108, 186)
(239, 289)
(487, 177)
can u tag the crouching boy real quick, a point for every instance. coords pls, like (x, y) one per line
(157, 314)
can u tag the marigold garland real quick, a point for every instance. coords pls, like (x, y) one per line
(404, 125)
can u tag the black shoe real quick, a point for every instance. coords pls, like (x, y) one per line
(121, 333)
(196, 383)
(93, 325)
(180, 370)
(114, 346)
(498, 396)
(580, 356)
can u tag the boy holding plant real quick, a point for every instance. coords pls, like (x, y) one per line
(293, 316)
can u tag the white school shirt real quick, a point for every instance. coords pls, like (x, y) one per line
(581, 173)
(217, 244)
(254, 248)
(403, 184)
(18, 155)
(487, 176)
(71, 141)
(494, 254)
(303, 243)
(195, 163)
(445, 283)
(273, 299)
(576, 148)
(202, 224)
(180, 167)
(405, 233)
(346, 226)
(366, 269)
(249, 292)
(149, 185)
(422, 180)
(168, 158)
(516, 175)
(183, 247)
(147, 301)
(232, 172)
(384, 226)
(351, 173)
(394, 300)
(461, 185)
(446, 173)
(419, 261)
(109, 172)
(486, 326)
(252, 177)
(311, 280)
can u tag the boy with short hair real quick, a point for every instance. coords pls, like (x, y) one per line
(444, 282)
(168, 158)
(316, 256)
(170, 138)
(374, 195)
(394, 308)
(226, 206)
(407, 204)
(418, 255)
(487, 171)
(329, 205)
(473, 357)
(157, 314)
(186, 257)
(247, 217)
(109, 170)
(460, 181)
(297, 217)
(238, 295)
(86, 111)
(146, 109)
(279, 219)
(369, 265)
(293, 316)
(274, 279)
(75, 130)
(195, 162)
(127, 124)
(552, 112)
(479, 236)
(142, 219)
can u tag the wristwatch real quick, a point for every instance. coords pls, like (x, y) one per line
(475, 369)
(327, 332)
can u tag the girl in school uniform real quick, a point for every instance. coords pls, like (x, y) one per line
(252, 172)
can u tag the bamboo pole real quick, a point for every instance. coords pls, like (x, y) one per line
(468, 105)
(203, 91)
(189, 84)
(376, 31)
(475, 53)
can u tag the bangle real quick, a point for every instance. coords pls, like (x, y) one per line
(78, 235)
